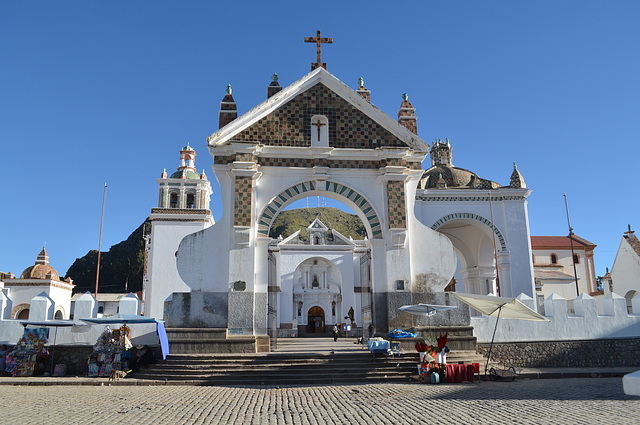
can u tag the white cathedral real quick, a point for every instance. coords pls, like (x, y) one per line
(427, 231)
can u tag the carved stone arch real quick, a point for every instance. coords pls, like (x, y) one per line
(363, 208)
(472, 216)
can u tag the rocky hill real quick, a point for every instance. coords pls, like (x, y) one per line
(288, 222)
(122, 265)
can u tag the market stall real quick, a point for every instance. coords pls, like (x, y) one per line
(30, 353)
(111, 352)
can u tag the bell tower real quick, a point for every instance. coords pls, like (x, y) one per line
(183, 208)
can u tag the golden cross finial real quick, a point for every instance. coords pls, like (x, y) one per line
(317, 39)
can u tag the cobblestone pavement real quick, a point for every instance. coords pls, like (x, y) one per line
(542, 401)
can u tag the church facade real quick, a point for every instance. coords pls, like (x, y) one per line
(427, 231)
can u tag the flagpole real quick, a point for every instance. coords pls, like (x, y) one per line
(575, 273)
(104, 196)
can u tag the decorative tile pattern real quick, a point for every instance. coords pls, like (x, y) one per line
(245, 157)
(472, 216)
(281, 200)
(290, 125)
(396, 205)
(242, 211)
(316, 162)
(455, 177)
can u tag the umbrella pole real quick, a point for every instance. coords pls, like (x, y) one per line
(492, 338)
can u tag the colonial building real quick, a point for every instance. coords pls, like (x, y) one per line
(319, 275)
(39, 281)
(554, 260)
(319, 137)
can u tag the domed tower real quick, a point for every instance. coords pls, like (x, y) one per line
(183, 208)
(185, 189)
(486, 222)
(39, 284)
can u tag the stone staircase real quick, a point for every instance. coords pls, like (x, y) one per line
(290, 369)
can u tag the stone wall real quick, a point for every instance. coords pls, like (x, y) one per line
(591, 353)
(75, 358)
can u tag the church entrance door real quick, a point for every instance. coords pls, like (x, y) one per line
(315, 320)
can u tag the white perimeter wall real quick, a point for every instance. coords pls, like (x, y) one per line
(584, 325)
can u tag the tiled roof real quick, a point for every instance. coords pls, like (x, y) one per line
(102, 297)
(542, 274)
(633, 241)
(542, 242)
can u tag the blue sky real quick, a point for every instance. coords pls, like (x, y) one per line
(95, 92)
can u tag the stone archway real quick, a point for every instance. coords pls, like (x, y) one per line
(473, 239)
(315, 320)
(471, 216)
(361, 205)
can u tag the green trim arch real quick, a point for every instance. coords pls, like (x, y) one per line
(472, 216)
(17, 309)
(307, 188)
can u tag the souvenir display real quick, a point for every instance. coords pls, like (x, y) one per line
(28, 353)
(111, 352)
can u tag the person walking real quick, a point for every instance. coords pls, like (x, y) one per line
(336, 332)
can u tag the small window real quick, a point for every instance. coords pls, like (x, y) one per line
(399, 285)
(174, 201)
(100, 309)
(576, 259)
(554, 259)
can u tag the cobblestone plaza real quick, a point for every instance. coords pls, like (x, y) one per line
(538, 401)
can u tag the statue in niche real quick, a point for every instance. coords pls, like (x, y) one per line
(315, 283)
(299, 308)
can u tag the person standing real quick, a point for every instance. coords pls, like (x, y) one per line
(336, 332)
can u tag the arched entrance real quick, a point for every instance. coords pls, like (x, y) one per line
(350, 197)
(23, 315)
(315, 320)
(472, 236)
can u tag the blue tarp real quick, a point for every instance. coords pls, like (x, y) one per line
(164, 342)
(399, 333)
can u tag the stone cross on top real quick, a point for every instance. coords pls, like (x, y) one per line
(317, 39)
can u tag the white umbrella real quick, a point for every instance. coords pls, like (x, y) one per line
(426, 309)
(509, 308)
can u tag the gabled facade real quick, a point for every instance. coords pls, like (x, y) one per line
(317, 137)
(625, 273)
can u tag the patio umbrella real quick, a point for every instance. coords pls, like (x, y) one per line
(509, 308)
(49, 324)
(426, 309)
